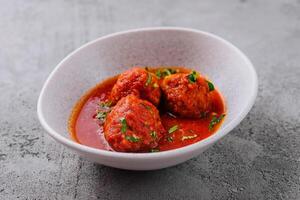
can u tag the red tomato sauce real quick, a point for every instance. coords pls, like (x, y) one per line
(85, 128)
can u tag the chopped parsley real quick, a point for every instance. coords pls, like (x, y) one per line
(124, 125)
(158, 73)
(154, 150)
(210, 85)
(172, 71)
(173, 129)
(153, 134)
(215, 120)
(101, 115)
(165, 72)
(103, 110)
(149, 79)
(170, 139)
(132, 138)
(188, 137)
(106, 104)
(193, 77)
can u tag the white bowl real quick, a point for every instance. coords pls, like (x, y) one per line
(229, 69)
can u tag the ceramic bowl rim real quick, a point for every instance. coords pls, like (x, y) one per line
(164, 154)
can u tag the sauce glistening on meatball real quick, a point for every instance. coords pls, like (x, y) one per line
(148, 110)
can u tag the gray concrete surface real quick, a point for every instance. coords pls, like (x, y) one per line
(260, 159)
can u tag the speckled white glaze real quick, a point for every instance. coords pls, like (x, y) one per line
(224, 64)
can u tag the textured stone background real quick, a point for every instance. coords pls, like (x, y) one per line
(260, 159)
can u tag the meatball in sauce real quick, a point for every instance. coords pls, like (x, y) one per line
(133, 125)
(186, 95)
(139, 82)
(148, 110)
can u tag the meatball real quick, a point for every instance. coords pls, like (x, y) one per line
(186, 95)
(133, 125)
(139, 82)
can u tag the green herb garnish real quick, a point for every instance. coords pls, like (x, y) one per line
(173, 129)
(215, 120)
(153, 134)
(165, 72)
(124, 125)
(149, 79)
(106, 104)
(172, 71)
(103, 110)
(132, 138)
(101, 115)
(170, 139)
(158, 73)
(193, 77)
(210, 85)
(188, 137)
(154, 150)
